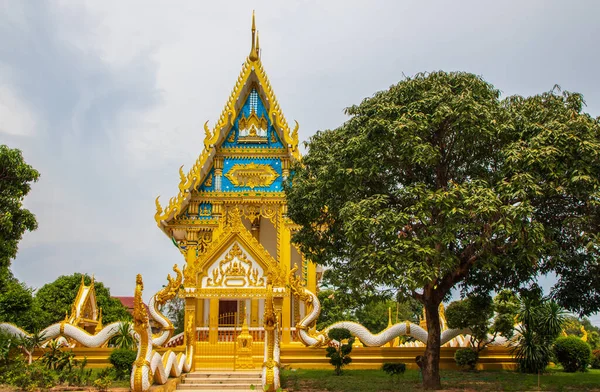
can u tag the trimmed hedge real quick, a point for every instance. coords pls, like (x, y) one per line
(596, 359)
(466, 358)
(122, 359)
(572, 353)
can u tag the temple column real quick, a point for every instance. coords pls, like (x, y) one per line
(311, 277)
(285, 254)
(254, 312)
(190, 311)
(213, 330)
(200, 312)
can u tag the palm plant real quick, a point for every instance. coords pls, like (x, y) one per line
(124, 337)
(541, 321)
(30, 343)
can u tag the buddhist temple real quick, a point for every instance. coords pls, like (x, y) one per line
(228, 217)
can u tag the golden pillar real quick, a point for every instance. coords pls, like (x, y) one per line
(213, 321)
(254, 312)
(311, 276)
(200, 312)
(190, 312)
(285, 262)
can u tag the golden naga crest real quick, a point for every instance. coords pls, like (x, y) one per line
(252, 175)
(140, 315)
(171, 289)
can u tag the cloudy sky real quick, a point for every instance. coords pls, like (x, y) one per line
(107, 98)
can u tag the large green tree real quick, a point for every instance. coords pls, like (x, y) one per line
(17, 304)
(438, 182)
(16, 177)
(57, 297)
(16, 300)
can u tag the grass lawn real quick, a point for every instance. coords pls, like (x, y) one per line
(376, 380)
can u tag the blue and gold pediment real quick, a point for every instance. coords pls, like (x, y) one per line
(252, 127)
(247, 174)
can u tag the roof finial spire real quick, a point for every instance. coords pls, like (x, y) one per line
(257, 46)
(253, 52)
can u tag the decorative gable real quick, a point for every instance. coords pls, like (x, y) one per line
(247, 153)
(235, 268)
(235, 260)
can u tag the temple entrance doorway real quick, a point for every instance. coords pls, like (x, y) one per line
(228, 309)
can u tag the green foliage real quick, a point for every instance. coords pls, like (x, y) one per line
(484, 316)
(74, 372)
(394, 368)
(18, 305)
(175, 310)
(572, 353)
(475, 313)
(30, 343)
(437, 182)
(540, 324)
(595, 359)
(103, 383)
(466, 358)
(32, 377)
(16, 177)
(363, 380)
(58, 359)
(332, 309)
(122, 360)
(57, 297)
(124, 337)
(573, 327)
(8, 347)
(339, 355)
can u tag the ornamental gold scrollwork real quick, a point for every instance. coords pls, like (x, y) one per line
(235, 270)
(252, 175)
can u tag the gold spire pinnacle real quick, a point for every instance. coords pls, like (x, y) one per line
(257, 46)
(253, 52)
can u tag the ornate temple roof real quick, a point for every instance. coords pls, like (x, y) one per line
(84, 309)
(251, 123)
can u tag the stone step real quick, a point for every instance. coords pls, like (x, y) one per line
(221, 374)
(223, 389)
(236, 380)
(221, 380)
(219, 387)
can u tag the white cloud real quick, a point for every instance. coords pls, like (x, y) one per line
(116, 94)
(15, 117)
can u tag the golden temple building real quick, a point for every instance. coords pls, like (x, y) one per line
(229, 219)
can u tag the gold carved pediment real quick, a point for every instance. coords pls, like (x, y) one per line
(252, 175)
(236, 269)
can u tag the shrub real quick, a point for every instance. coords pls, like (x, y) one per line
(596, 359)
(34, 376)
(394, 369)
(122, 359)
(572, 353)
(103, 383)
(466, 358)
(340, 355)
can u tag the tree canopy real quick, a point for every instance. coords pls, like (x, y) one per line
(57, 297)
(439, 182)
(16, 177)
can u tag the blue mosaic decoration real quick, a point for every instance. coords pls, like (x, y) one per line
(208, 185)
(253, 112)
(204, 212)
(228, 163)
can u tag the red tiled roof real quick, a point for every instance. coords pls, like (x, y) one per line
(128, 303)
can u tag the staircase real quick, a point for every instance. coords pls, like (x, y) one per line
(222, 381)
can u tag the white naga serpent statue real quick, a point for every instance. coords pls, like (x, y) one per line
(320, 338)
(149, 366)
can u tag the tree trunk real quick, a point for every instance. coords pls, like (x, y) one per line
(430, 363)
